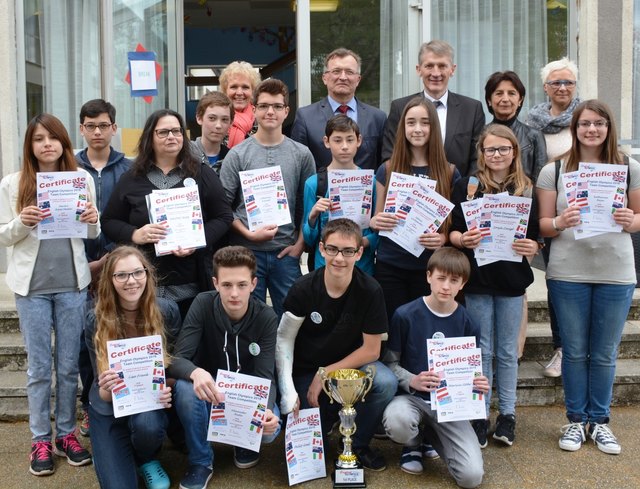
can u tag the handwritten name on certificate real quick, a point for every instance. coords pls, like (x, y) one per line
(457, 399)
(507, 218)
(238, 420)
(265, 197)
(303, 448)
(62, 197)
(400, 188)
(180, 212)
(140, 364)
(607, 187)
(446, 344)
(422, 212)
(351, 195)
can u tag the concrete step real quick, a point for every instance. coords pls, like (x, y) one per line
(8, 318)
(13, 355)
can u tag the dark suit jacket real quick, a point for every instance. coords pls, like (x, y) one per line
(308, 129)
(465, 120)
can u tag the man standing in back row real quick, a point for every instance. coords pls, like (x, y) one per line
(461, 118)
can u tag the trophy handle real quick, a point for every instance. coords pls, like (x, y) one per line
(325, 382)
(370, 372)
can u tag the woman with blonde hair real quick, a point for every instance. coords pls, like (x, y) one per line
(127, 307)
(238, 81)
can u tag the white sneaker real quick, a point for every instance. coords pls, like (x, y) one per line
(554, 367)
(572, 437)
(604, 439)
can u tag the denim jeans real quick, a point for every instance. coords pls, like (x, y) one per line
(499, 320)
(591, 319)
(39, 314)
(194, 416)
(368, 413)
(277, 275)
(120, 445)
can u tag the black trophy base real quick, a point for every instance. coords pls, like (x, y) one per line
(348, 478)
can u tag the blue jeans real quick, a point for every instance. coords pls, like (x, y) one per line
(499, 320)
(368, 413)
(120, 445)
(39, 314)
(591, 319)
(194, 415)
(277, 275)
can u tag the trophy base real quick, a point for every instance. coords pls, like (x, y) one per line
(348, 478)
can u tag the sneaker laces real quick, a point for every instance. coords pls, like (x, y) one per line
(70, 442)
(603, 434)
(573, 431)
(41, 450)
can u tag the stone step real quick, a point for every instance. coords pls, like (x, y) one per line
(8, 318)
(539, 310)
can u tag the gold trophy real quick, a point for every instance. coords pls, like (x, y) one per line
(347, 386)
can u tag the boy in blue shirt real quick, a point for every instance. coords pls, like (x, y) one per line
(437, 315)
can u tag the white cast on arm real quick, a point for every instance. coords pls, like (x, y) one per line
(287, 332)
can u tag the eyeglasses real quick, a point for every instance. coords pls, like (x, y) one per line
(338, 72)
(103, 126)
(502, 150)
(265, 107)
(164, 133)
(123, 277)
(597, 124)
(334, 250)
(556, 84)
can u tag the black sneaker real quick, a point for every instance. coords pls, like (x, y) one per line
(244, 458)
(69, 447)
(197, 477)
(481, 427)
(371, 458)
(505, 429)
(41, 458)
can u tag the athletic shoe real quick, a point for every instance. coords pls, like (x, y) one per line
(84, 422)
(505, 429)
(481, 427)
(604, 439)
(380, 433)
(244, 458)
(154, 475)
(411, 460)
(41, 458)
(197, 477)
(69, 446)
(572, 437)
(428, 451)
(554, 367)
(370, 458)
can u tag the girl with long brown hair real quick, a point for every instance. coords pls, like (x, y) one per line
(49, 278)
(127, 307)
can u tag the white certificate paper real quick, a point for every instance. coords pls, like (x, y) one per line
(140, 365)
(607, 187)
(180, 212)
(265, 197)
(457, 399)
(446, 344)
(401, 186)
(303, 448)
(238, 420)
(62, 197)
(423, 211)
(351, 195)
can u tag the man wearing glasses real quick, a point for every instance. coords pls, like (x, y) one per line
(335, 318)
(106, 166)
(341, 77)
(277, 248)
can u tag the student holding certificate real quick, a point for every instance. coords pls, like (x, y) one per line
(591, 280)
(495, 293)
(418, 151)
(127, 307)
(50, 279)
(166, 161)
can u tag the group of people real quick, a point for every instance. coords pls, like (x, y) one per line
(366, 300)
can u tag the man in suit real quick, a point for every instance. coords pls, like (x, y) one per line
(461, 118)
(341, 77)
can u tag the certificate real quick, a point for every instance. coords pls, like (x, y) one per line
(607, 187)
(400, 188)
(265, 197)
(471, 209)
(457, 399)
(303, 448)
(446, 344)
(577, 195)
(140, 364)
(423, 211)
(61, 197)
(238, 420)
(180, 212)
(351, 195)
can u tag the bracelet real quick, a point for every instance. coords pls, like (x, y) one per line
(553, 223)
